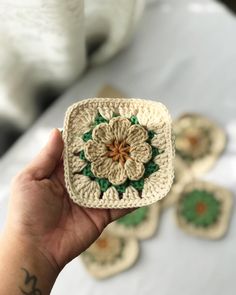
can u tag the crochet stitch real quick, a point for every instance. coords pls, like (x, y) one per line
(118, 152)
(203, 209)
(109, 255)
(141, 223)
(198, 141)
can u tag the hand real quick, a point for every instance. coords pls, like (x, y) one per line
(42, 215)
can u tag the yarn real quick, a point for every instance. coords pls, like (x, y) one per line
(119, 152)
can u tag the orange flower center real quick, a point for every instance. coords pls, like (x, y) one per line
(201, 208)
(193, 140)
(102, 243)
(118, 151)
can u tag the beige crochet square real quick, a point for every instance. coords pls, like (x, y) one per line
(182, 176)
(204, 209)
(199, 142)
(142, 223)
(110, 255)
(118, 152)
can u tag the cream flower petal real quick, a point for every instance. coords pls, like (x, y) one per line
(94, 150)
(101, 167)
(131, 194)
(141, 152)
(127, 111)
(136, 135)
(106, 112)
(78, 164)
(86, 188)
(149, 118)
(159, 141)
(117, 174)
(84, 121)
(111, 194)
(119, 127)
(77, 145)
(134, 170)
(102, 133)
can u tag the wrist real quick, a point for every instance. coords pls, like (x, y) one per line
(21, 259)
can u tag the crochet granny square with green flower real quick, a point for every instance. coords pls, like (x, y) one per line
(118, 152)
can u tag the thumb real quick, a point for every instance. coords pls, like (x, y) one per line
(46, 161)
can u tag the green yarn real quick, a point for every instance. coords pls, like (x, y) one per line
(87, 136)
(150, 168)
(103, 183)
(200, 208)
(99, 119)
(137, 184)
(134, 120)
(87, 171)
(151, 134)
(134, 218)
(122, 187)
(82, 155)
(155, 152)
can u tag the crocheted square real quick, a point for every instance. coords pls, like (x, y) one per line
(182, 176)
(198, 142)
(203, 209)
(118, 152)
(141, 223)
(110, 255)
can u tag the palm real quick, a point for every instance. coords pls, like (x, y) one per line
(42, 213)
(58, 226)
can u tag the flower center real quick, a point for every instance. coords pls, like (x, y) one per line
(201, 208)
(118, 151)
(193, 140)
(102, 243)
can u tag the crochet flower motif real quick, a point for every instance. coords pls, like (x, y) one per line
(118, 150)
(200, 208)
(134, 218)
(198, 142)
(110, 254)
(192, 143)
(106, 249)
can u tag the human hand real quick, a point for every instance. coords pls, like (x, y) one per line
(43, 217)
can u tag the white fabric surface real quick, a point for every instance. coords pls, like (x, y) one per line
(183, 56)
(44, 41)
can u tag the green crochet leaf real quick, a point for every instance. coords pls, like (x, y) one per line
(150, 168)
(122, 187)
(99, 119)
(103, 183)
(134, 120)
(155, 152)
(82, 155)
(134, 218)
(87, 171)
(137, 184)
(87, 136)
(151, 134)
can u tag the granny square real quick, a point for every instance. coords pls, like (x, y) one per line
(142, 223)
(118, 152)
(110, 255)
(198, 141)
(204, 209)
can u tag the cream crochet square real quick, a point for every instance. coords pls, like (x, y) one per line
(118, 152)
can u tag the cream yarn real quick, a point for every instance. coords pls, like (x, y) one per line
(108, 142)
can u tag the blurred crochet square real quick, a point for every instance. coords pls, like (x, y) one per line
(204, 209)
